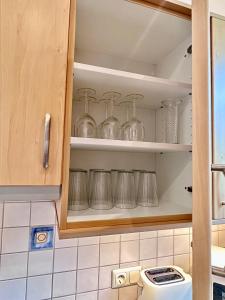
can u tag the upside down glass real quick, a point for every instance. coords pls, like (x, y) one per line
(110, 127)
(101, 191)
(86, 125)
(134, 129)
(78, 189)
(147, 189)
(125, 191)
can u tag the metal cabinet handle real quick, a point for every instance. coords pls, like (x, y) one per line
(218, 168)
(46, 140)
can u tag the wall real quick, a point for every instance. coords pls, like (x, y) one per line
(81, 266)
(216, 6)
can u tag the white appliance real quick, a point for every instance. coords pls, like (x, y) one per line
(218, 270)
(168, 283)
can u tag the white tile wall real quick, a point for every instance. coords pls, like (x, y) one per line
(39, 287)
(15, 239)
(65, 259)
(64, 284)
(80, 268)
(40, 262)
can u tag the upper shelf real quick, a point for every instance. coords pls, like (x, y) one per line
(153, 88)
(130, 146)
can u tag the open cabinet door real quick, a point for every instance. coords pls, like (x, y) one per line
(201, 152)
(33, 59)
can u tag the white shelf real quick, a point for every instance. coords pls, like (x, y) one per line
(129, 146)
(154, 89)
(164, 209)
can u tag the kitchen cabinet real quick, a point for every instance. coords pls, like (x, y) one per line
(34, 45)
(127, 56)
(128, 46)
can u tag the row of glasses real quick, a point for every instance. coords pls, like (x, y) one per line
(104, 189)
(109, 128)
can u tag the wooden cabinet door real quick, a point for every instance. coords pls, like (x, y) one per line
(33, 60)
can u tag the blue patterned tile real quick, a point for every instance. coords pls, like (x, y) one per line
(41, 237)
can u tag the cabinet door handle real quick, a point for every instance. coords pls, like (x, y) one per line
(218, 168)
(46, 140)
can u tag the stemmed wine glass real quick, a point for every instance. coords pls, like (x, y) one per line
(110, 127)
(86, 125)
(125, 133)
(133, 130)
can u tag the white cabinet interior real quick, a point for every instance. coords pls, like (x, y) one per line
(130, 48)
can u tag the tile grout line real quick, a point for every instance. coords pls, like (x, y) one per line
(53, 250)
(28, 254)
(98, 266)
(3, 207)
(77, 269)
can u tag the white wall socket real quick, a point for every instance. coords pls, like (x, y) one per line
(125, 277)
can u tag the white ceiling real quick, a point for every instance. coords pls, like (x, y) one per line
(123, 29)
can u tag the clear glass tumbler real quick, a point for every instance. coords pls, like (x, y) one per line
(101, 191)
(136, 180)
(125, 191)
(114, 178)
(147, 189)
(90, 180)
(171, 116)
(78, 189)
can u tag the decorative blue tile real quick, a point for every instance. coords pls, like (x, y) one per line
(41, 237)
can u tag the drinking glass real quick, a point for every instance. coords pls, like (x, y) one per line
(147, 189)
(110, 127)
(134, 129)
(136, 180)
(86, 125)
(101, 192)
(90, 181)
(78, 190)
(125, 191)
(171, 116)
(125, 133)
(114, 178)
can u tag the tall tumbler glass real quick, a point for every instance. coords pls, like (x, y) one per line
(90, 181)
(101, 192)
(125, 192)
(114, 178)
(147, 189)
(171, 115)
(78, 189)
(136, 180)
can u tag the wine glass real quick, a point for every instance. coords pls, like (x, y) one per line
(134, 129)
(110, 127)
(86, 125)
(106, 102)
(125, 133)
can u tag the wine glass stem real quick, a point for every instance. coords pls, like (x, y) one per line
(111, 107)
(86, 104)
(134, 109)
(106, 110)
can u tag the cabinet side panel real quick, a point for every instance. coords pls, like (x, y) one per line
(201, 152)
(62, 204)
(34, 41)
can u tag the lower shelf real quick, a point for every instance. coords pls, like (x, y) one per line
(164, 209)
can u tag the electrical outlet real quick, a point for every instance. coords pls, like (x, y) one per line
(125, 277)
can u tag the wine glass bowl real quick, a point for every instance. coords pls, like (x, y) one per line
(133, 130)
(110, 127)
(85, 125)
